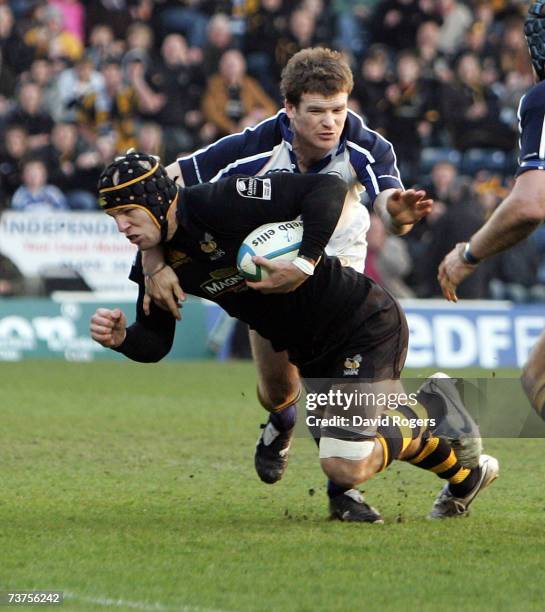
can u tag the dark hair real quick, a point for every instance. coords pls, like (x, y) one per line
(316, 70)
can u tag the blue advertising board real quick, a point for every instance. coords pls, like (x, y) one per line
(469, 334)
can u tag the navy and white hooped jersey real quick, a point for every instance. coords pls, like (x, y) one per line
(363, 159)
(531, 115)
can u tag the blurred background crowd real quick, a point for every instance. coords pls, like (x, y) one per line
(441, 79)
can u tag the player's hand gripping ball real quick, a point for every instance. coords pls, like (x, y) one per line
(275, 241)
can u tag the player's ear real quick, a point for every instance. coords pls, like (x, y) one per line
(290, 109)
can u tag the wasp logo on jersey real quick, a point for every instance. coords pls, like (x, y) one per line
(352, 365)
(250, 187)
(210, 247)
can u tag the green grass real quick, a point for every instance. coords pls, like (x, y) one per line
(128, 485)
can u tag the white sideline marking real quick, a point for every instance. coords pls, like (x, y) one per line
(135, 605)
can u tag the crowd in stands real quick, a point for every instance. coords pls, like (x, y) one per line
(83, 81)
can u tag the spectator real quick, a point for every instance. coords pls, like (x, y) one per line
(42, 72)
(16, 53)
(411, 114)
(323, 20)
(35, 195)
(264, 29)
(457, 18)
(158, 94)
(388, 261)
(370, 88)
(396, 22)
(102, 45)
(444, 176)
(352, 25)
(514, 274)
(462, 217)
(219, 40)
(63, 159)
(74, 17)
(111, 108)
(139, 46)
(90, 163)
(233, 99)
(301, 33)
(432, 61)
(513, 51)
(475, 122)
(7, 85)
(30, 113)
(14, 151)
(476, 41)
(185, 18)
(73, 85)
(150, 139)
(118, 14)
(49, 32)
(443, 189)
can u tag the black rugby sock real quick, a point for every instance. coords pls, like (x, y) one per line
(285, 419)
(333, 489)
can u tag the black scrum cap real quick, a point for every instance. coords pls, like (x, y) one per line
(138, 180)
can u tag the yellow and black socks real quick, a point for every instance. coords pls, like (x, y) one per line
(400, 427)
(436, 455)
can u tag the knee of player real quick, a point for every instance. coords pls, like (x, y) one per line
(275, 398)
(346, 472)
(348, 462)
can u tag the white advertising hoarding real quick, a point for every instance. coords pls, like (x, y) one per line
(87, 242)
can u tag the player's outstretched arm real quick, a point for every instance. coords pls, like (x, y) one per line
(400, 209)
(108, 327)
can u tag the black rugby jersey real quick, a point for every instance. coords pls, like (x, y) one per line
(214, 218)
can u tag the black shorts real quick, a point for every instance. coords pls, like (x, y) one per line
(375, 350)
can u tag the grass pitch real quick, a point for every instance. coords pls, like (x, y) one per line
(132, 487)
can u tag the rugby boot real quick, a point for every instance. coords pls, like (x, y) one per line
(271, 453)
(457, 425)
(447, 505)
(351, 507)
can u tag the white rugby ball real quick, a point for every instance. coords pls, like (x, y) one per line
(275, 241)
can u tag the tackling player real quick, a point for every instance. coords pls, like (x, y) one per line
(314, 134)
(332, 315)
(522, 211)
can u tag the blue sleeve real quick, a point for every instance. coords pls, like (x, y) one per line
(19, 199)
(56, 197)
(372, 157)
(243, 153)
(531, 130)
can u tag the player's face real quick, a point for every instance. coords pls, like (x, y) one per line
(318, 121)
(138, 227)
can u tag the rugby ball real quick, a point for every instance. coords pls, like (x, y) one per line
(275, 241)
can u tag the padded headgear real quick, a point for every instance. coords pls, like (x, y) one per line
(534, 30)
(138, 180)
